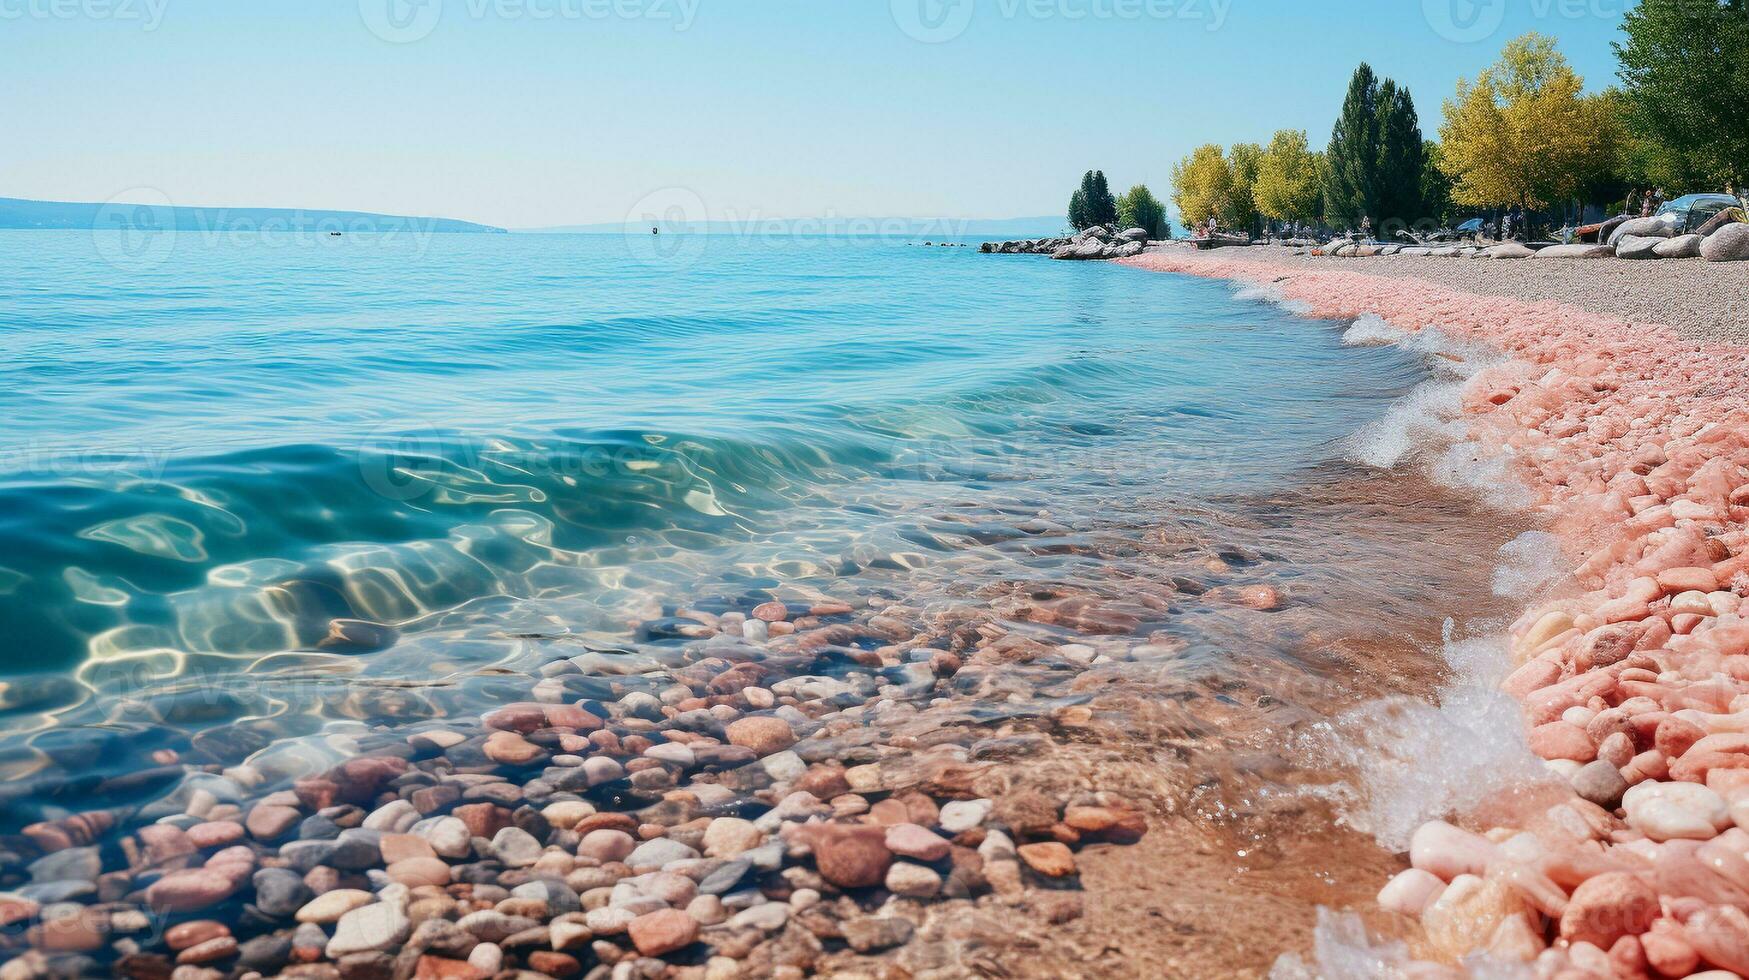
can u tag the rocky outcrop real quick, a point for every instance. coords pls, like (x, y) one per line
(1098, 242)
(1660, 227)
(1579, 250)
(1637, 247)
(1680, 247)
(1509, 250)
(1729, 244)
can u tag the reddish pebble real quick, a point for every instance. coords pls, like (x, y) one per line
(763, 734)
(771, 612)
(657, 933)
(1607, 907)
(1050, 858)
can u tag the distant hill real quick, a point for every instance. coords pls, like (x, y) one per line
(887, 227)
(16, 213)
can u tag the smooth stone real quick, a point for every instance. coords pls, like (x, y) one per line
(729, 837)
(1449, 851)
(448, 836)
(658, 853)
(515, 847)
(1728, 244)
(912, 841)
(280, 892)
(606, 845)
(959, 816)
(370, 928)
(659, 933)
(912, 880)
(769, 917)
(1608, 906)
(764, 734)
(330, 906)
(1672, 811)
(1050, 858)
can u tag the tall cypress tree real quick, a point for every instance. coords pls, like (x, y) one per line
(1402, 159)
(1350, 189)
(1101, 203)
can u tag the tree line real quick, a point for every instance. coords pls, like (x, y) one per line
(1521, 133)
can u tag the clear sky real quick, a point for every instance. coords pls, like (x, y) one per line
(527, 113)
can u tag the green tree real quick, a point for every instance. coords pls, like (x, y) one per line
(1351, 190)
(1402, 159)
(1435, 186)
(1202, 184)
(1138, 208)
(1289, 179)
(1685, 66)
(1078, 210)
(1097, 205)
(1520, 133)
(1244, 159)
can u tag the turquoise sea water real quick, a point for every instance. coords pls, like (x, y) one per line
(314, 465)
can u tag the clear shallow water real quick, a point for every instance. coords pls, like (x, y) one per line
(263, 485)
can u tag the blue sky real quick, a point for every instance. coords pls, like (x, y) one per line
(526, 113)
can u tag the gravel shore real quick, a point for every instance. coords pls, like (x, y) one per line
(1702, 300)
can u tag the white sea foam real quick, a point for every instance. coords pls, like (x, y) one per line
(1270, 293)
(1529, 564)
(1413, 761)
(1372, 330)
(1342, 950)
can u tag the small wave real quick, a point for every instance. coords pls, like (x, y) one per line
(1372, 330)
(1342, 949)
(1414, 761)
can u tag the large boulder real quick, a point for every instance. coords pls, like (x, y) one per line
(1658, 227)
(1728, 244)
(1680, 247)
(1134, 235)
(1580, 250)
(1637, 247)
(1510, 250)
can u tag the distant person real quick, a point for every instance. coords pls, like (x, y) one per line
(1366, 228)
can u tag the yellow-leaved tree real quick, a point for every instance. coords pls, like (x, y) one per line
(1521, 133)
(1289, 187)
(1202, 185)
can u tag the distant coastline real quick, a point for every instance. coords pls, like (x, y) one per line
(20, 214)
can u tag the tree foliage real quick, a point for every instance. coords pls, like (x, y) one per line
(1376, 154)
(1244, 159)
(1520, 134)
(1685, 68)
(1401, 161)
(1092, 203)
(1354, 151)
(1435, 185)
(1139, 208)
(1202, 185)
(1289, 179)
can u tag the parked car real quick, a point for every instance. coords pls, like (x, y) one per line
(1695, 210)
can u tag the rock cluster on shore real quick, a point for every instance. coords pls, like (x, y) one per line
(1640, 238)
(746, 813)
(1098, 242)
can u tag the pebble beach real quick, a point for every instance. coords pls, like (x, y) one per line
(1626, 423)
